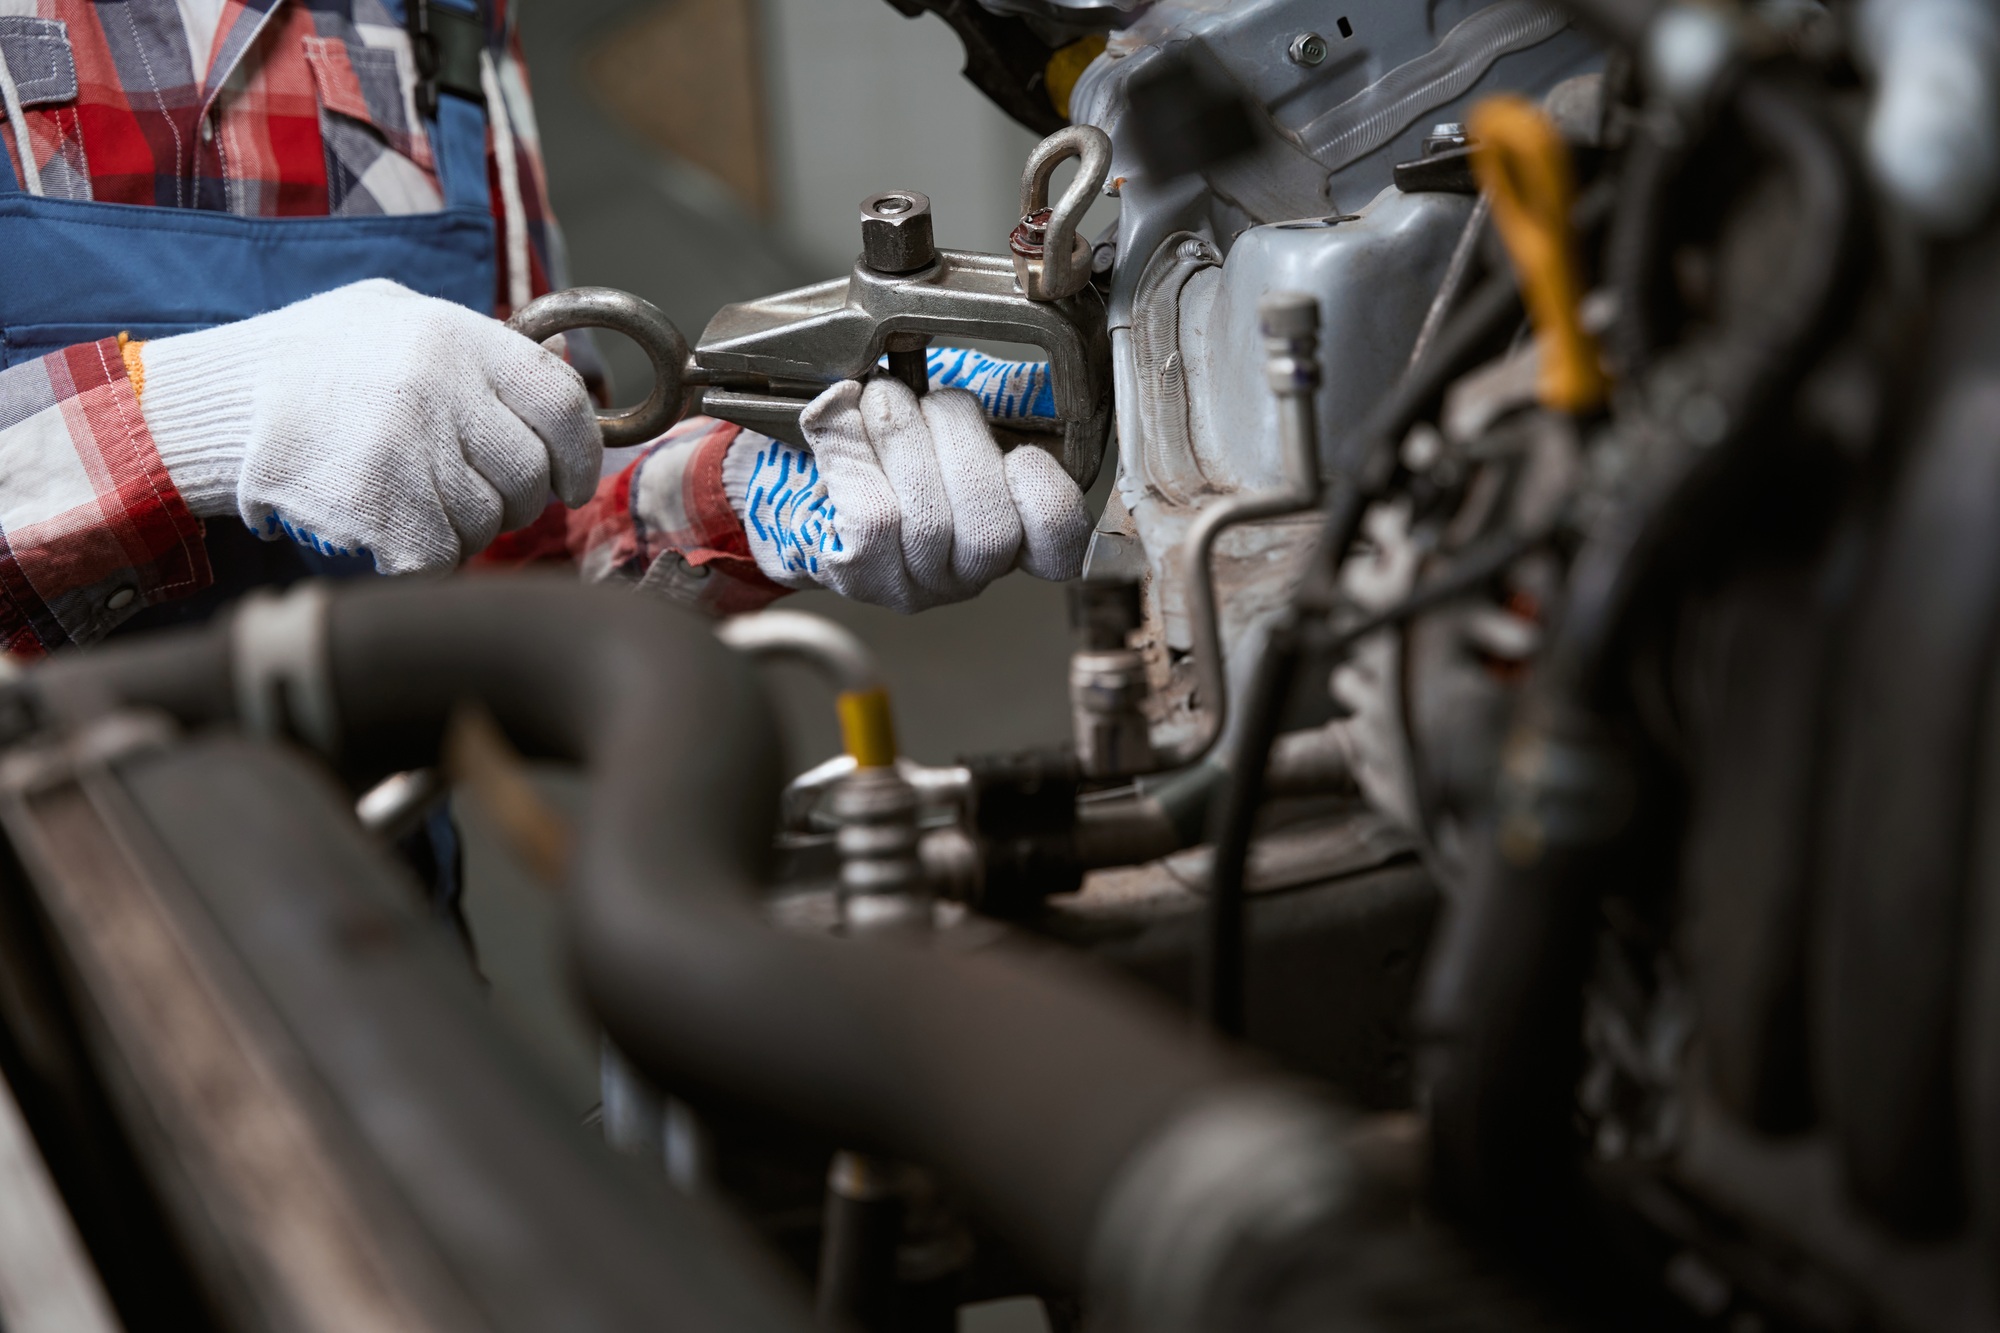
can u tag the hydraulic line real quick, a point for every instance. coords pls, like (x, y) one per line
(867, 727)
(863, 1216)
(1291, 640)
(1290, 321)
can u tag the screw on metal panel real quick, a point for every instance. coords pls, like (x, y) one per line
(1308, 48)
(896, 231)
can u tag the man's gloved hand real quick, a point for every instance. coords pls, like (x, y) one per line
(371, 420)
(904, 502)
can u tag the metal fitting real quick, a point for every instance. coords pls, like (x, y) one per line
(1291, 331)
(883, 888)
(1254, 1179)
(1308, 49)
(1107, 693)
(1290, 321)
(1051, 261)
(1445, 136)
(1107, 681)
(896, 232)
(909, 360)
(1689, 50)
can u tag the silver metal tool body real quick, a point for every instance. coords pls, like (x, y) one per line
(766, 359)
(760, 363)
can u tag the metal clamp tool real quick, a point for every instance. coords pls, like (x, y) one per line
(759, 363)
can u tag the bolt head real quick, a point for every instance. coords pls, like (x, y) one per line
(1444, 136)
(896, 231)
(1308, 49)
(1288, 315)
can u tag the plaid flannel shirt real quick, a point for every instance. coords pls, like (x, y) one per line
(662, 521)
(306, 108)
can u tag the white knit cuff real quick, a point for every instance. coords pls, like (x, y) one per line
(197, 403)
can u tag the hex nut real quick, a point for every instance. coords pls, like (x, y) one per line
(896, 231)
(1288, 315)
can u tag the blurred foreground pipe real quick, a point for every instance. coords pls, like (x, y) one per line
(1182, 1187)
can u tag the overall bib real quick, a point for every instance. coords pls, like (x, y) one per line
(75, 271)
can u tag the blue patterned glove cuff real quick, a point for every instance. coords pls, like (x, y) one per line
(1012, 392)
(778, 492)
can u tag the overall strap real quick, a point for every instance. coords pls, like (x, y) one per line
(449, 39)
(13, 124)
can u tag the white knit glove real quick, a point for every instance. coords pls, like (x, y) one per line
(904, 502)
(371, 421)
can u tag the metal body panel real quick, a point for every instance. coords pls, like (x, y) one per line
(1373, 275)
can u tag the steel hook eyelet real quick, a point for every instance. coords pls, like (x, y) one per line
(1051, 260)
(642, 322)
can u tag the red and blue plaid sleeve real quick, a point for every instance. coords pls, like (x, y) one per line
(663, 521)
(91, 527)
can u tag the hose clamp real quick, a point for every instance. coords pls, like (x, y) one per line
(280, 670)
(1247, 1175)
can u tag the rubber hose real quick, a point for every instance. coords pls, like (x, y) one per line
(1028, 1084)
(1502, 995)
(1750, 367)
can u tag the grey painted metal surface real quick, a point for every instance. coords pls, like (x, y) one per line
(1312, 209)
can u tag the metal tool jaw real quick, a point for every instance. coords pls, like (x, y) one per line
(760, 363)
(764, 360)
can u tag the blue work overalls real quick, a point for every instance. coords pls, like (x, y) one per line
(76, 271)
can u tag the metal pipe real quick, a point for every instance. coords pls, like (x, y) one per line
(1455, 272)
(883, 892)
(866, 725)
(1291, 332)
(1222, 963)
(835, 651)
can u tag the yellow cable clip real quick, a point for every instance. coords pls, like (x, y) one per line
(1523, 167)
(867, 728)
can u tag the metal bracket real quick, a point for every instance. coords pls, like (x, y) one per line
(766, 359)
(760, 363)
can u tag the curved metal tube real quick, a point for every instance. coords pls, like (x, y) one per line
(832, 649)
(1294, 375)
(642, 322)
